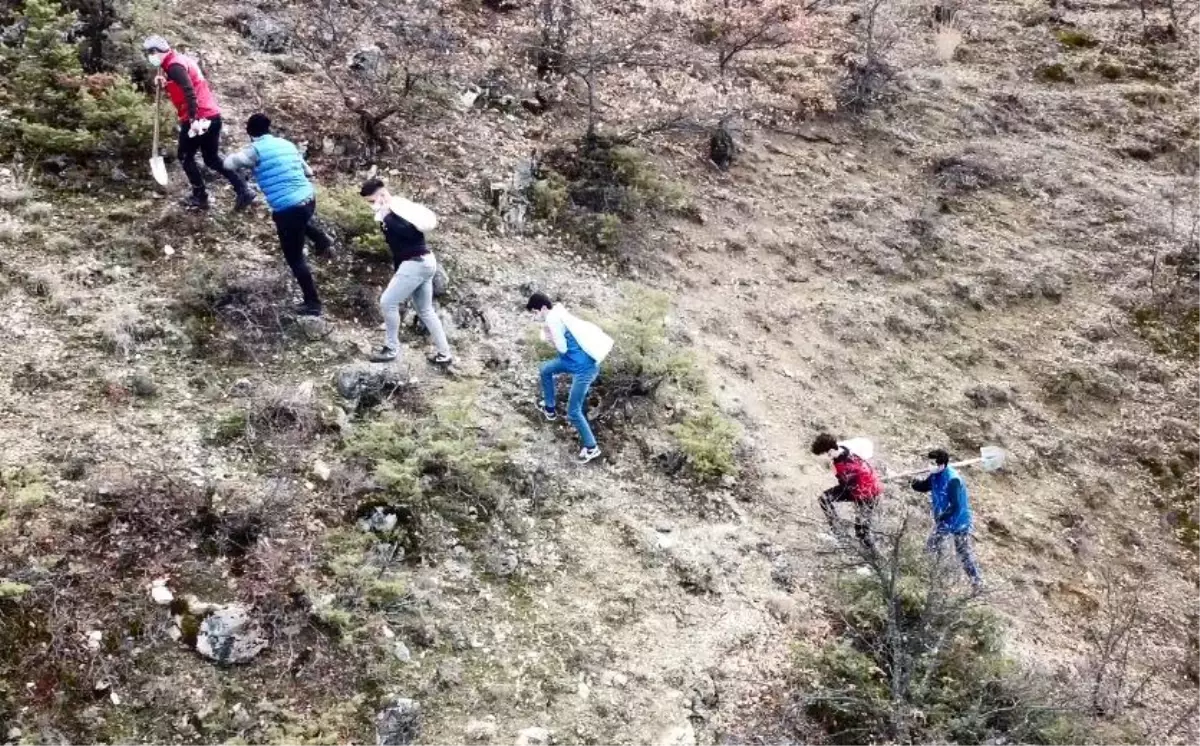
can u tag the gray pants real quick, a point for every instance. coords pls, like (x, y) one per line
(414, 279)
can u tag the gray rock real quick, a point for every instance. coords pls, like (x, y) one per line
(533, 737)
(369, 62)
(229, 635)
(267, 34)
(313, 327)
(398, 724)
(367, 380)
(143, 386)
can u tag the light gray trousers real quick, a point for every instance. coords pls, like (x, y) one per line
(414, 279)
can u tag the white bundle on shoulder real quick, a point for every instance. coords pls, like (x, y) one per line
(422, 218)
(861, 447)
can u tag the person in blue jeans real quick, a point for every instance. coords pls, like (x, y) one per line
(951, 512)
(581, 346)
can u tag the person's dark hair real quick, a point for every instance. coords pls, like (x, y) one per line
(538, 301)
(823, 443)
(258, 125)
(938, 456)
(370, 186)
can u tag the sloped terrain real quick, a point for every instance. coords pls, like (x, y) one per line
(994, 257)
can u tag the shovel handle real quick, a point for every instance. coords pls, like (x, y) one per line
(894, 477)
(157, 116)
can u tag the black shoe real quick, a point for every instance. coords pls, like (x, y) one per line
(244, 200)
(439, 359)
(384, 355)
(195, 201)
(323, 247)
(306, 310)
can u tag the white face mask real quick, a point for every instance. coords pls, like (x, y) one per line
(156, 58)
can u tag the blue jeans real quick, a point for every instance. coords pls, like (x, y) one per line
(580, 383)
(962, 545)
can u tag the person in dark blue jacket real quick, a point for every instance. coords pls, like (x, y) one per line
(283, 176)
(951, 511)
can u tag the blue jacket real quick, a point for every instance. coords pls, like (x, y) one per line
(948, 501)
(280, 173)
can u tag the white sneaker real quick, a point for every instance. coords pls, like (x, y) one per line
(587, 454)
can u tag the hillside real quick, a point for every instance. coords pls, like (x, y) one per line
(1000, 248)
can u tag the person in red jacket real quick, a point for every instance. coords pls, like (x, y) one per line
(857, 483)
(199, 121)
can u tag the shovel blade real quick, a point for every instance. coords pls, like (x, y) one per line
(158, 169)
(992, 458)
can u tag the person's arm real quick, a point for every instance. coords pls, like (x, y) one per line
(557, 331)
(246, 158)
(921, 485)
(307, 168)
(177, 74)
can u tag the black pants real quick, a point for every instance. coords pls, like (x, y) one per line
(863, 511)
(294, 225)
(206, 145)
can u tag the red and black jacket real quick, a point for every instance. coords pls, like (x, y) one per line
(857, 481)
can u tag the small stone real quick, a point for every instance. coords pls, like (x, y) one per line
(94, 639)
(533, 737)
(143, 386)
(400, 650)
(680, 735)
(321, 470)
(162, 595)
(482, 730)
(313, 327)
(169, 250)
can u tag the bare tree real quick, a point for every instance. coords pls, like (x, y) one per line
(373, 56)
(580, 40)
(736, 26)
(868, 72)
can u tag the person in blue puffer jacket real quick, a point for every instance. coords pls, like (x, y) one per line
(283, 176)
(951, 512)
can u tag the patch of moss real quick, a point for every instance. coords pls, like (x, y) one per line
(1053, 72)
(10, 590)
(346, 210)
(230, 428)
(1076, 39)
(1110, 70)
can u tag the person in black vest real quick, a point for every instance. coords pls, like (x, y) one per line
(415, 267)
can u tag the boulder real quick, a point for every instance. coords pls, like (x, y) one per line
(230, 635)
(399, 723)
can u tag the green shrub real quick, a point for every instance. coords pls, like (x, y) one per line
(912, 662)
(53, 107)
(642, 346)
(596, 186)
(709, 441)
(347, 211)
(443, 470)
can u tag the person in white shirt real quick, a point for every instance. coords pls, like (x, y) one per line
(581, 346)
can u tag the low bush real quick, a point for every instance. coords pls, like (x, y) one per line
(596, 187)
(232, 316)
(441, 477)
(347, 212)
(50, 106)
(912, 661)
(709, 442)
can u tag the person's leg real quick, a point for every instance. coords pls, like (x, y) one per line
(934, 544)
(962, 545)
(826, 502)
(863, 513)
(290, 224)
(404, 282)
(188, 147)
(322, 243)
(422, 299)
(549, 370)
(580, 383)
(210, 143)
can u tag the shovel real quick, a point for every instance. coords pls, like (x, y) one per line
(158, 169)
(990, 458)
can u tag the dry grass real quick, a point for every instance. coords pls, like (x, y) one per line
(945, 42)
